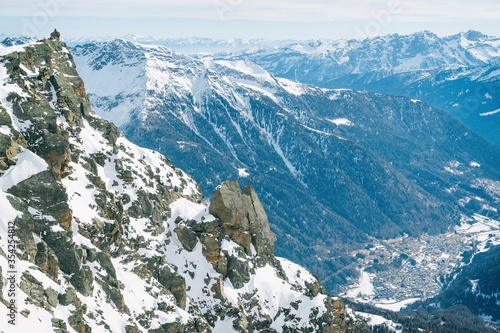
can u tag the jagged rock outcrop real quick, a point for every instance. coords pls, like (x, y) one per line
(240, 218)
(243, 218)
(113, 238)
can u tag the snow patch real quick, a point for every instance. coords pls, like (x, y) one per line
(475, 164)
(28, 164)
(189, 210)
(364, 287)
(292, 87)
(242, 172)
(491, 113)
(341, 121)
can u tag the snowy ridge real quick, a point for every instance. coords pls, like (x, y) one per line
(463, 67)
(181, 81)
(392, 53)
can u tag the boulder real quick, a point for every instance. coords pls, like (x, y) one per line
(47, 260)
(187, 237)
(238, 271)
(175, 284)
(68, 297)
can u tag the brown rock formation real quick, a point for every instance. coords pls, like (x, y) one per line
(243, 218)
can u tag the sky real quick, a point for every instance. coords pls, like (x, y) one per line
(247, 19)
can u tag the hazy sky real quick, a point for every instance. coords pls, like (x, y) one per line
(273, 19)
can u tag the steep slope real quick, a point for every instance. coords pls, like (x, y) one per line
(334, 167)
(110, 237)
(458, 73)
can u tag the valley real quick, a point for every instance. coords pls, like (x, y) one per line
(399, 271)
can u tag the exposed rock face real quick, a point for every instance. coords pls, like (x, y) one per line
(83, 281)
(243, 218)
(47, 260)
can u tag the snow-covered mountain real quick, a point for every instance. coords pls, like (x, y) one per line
(321, 61)
(335, 168)
(111, 237)
(458, 73)
(192, 45)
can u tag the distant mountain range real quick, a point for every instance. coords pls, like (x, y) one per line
(334, 167)
(458, 73)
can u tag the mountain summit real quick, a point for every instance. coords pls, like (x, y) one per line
(111, 237)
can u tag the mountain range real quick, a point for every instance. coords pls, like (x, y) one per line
(335, 168)
(337, 171)
(458, 73)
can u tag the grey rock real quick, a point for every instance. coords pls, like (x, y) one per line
(52, 297)
(59, 325)
(243, 218)
(44, 193)
(55, 34)
(83, 281)
(238, 271)
(70, 260)
(37, 294)
(187, 237)
(68, 297)
(106, 263)
(174, 283)
(47, 260)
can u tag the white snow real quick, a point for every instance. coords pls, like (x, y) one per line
(395, 305)
(491, 113)
(248, 68)
(316, 130)
(190, 211)
(268, 92)
(341, 121)
(125, 94)
(28, 164)
(375, 320)
(292, 87)
(474, 164)
(243, 173)
(4, 50)
(364, 287)
(270, 290)
(296, 274)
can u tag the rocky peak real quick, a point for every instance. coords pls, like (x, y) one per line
(243, 218)
(55, 34)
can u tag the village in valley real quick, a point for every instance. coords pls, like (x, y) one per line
(399, 271)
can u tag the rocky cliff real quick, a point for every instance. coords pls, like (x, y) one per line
(111, 237)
